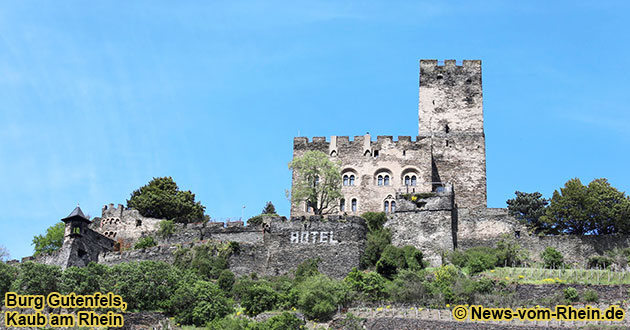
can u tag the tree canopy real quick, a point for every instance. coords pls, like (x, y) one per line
(529, 207)
(317, 181)
(162, 199)
(595, 209)
(51, 241)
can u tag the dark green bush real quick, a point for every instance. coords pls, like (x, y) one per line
(409, 287)
(198, 303)
(284, 321)
(319, 297)
(8, 274)
(552, 258)
(145, 242)
(167, 228)
(230, 323)
(306, 269)
(36, 279)
(258, 298)
(226, 280)
(571, 294)
(591, 296)
(82, 280)
(370, 285)
(145, 285)
(599, 262)
(376, 243)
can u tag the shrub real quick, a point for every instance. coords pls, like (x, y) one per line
(306, 269)
(226, 280)
(376, 243)
(230, 323)
(599, 262)
(258, 298)
(167, 228)
(284, 321)
(349, 322)
(374, 220)
(145, 285)
(509, 253)
(8, 274)
(392, 259)
(82, 280)
(409, 287)
(371, 285)
(570, 294)
(36, 279)
(319, 297)
(198, 303)
(591, 296)
(145, 242)
(552, 258)
(413, 258)
(255, 220)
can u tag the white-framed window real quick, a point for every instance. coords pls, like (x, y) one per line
(352, 179)
(386, 180)
(386, 206)
(345, 180)
(392, 207)
(380, 180)
(354, 205)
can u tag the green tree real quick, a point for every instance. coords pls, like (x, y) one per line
(52, 241)
(82, 280)
(269, 209)
(595, 209)
(162, 199)
(552, 258)
(317, 181)
(528, 208)
(258, 298)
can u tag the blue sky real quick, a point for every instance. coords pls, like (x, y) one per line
(96, 99)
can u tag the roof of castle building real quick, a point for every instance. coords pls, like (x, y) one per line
(76, 213)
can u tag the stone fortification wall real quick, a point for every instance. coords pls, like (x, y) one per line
(277, 249)
(435, 231)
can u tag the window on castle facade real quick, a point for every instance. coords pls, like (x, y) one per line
(345, 180)
(352, 180)
(342, 205)
(392, 207)
(386, 206)
(413, 180)
(386, 180)
(407, 180)
(380, 180)
(354, 205)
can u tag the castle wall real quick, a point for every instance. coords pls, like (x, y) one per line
(366, 160)
(282, 246)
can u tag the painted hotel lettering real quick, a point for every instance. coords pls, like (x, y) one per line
(311, 237)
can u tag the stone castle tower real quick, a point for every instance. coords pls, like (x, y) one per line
(447, 156)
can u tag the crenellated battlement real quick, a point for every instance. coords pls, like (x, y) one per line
(450, 64)
(358, 141)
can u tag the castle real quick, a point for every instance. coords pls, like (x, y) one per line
(433, 188)
(447, 155)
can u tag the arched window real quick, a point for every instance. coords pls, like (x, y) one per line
(354, 205)
(406, 180)
(352, 180)
(386, 181)
(380, 180)
(386, 206)
(393, 207)
(342, 205)
(413, 180)
(345, 180)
